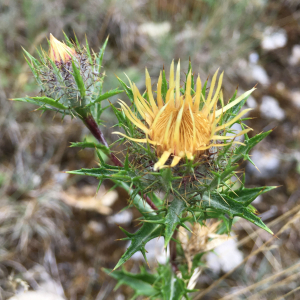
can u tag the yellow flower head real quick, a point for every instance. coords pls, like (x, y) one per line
(177, 127)
(60, 52)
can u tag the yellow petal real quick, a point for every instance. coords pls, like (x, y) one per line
(175, 161)
(233, 120)
(225, 137)
(216, 96)
(171, 81)
(136, 140)
(149, 91)
(132, 117)
(162, 160)
(233, 103)
(177, 97)
(198, 94)
(212, 85)
(188, 97)
(160, 102)
(177, 126)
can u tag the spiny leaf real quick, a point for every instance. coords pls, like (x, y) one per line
(88, 52)
(243, 151)
(147, 232)
(79, 80)
(127, 90)
(173, 288)
(219, 177)
(230, 206)
(42, 101)
(246, 196)
(172, 218)
(68, 40)
(164, 86)
(99, 58)
(105, 96)
(141, 284)
(91, 145)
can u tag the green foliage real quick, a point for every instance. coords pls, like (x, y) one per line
(163, 285)
(147, 232)
(141, 283)
(172, 218)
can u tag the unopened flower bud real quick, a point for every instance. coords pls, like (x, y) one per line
(68, 74)
(60, 52)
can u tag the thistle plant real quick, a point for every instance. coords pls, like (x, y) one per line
(180, 155)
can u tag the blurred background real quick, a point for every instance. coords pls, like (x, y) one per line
(55, 234)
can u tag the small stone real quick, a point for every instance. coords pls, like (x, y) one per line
(253, 58)
(225, 257)
(270, 109)
(155, 29)
(294, 59)
(295, 97)
(258, 73)
(251, 102)
(267, 163)
(273, 39)
(280, 86)
(123, 217)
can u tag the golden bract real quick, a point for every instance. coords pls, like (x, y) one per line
(177, 126)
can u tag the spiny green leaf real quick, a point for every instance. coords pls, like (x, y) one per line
(164, 86)
(192, 83)
(243, 151)
(79, 80)
(99, 58)
(172, 287)
(232, 207)
(140, 283)
(91, 145)
(68, 40)
(35, 73)
(105, 96)
(77, 42)
(246, 196)
(88, 52)
(42, 101)
(147, 232)
(219, 177)
(172, 218)
(127, 90)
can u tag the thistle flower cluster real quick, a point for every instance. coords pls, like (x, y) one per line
(69, 77)
(183, 125)
(59, 79)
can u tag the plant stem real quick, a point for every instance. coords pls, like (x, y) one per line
(93, 127)
(173, 252)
